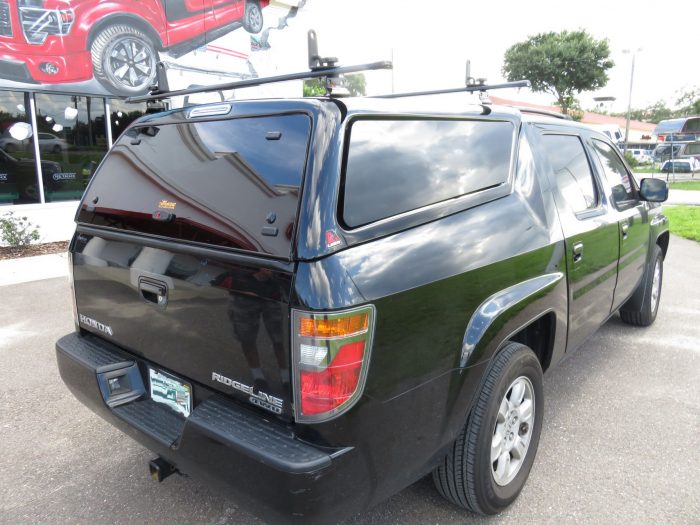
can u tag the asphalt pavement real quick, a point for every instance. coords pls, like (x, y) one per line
(620, 441)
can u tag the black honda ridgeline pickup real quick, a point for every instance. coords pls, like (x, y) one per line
(318, 302)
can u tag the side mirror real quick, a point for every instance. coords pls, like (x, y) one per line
(653, 190)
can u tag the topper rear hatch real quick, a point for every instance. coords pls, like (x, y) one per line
(183, 254)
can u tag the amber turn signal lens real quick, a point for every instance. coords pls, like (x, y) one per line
(341, 327)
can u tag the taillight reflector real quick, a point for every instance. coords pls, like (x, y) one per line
(327, 389)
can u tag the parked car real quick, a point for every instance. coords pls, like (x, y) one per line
(663, 152)
(682, 165)
(10, 144)
(641, 156)
(52, 143)
(318, 302)
(18, 176)
(116, 42)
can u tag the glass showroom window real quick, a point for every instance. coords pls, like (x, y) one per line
(18, 180)
(123, 114)
(72, 142)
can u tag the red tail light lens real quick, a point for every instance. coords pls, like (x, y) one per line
(331, 355)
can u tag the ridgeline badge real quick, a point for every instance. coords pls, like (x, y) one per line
(167, 205)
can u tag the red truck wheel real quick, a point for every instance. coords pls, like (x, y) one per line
(124, 60)
(253, 17)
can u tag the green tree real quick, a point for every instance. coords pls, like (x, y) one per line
(314, 87)
(355, 84)
(562, 64)
(689, 103)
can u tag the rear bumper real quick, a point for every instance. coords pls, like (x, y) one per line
(278, 476)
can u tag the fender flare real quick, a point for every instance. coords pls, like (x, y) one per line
(502, 305)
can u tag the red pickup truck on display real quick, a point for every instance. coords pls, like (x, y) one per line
(116, 42)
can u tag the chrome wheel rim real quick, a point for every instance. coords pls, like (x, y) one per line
(656, 285)
(131, 63)
(512, 432)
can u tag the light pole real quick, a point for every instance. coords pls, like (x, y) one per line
(629, 100)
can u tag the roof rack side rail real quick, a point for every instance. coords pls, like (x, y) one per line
(470, 88)
(534, 111)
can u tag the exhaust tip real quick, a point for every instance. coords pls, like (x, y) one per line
(160, 469)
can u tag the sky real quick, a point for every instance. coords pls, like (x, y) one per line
(430, 42)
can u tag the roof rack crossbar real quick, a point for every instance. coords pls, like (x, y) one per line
(470, 88)
(253, 82)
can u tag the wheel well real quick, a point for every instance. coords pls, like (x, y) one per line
(662, 241)
(539, 336)
(131, 20)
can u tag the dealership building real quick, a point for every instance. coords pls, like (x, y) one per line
(50, 145)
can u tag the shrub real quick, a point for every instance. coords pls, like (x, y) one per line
(631, 160)
(17, 231)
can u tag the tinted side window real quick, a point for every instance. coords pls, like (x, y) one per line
(615, 172)
(572, 171)
(394, 166)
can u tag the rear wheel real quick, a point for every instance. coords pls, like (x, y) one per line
(641, 309)
(124, 60)
(491, 459)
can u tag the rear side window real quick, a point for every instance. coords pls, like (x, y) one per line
(395, 166)
(615, 172)
(572, 171)
(233, 183)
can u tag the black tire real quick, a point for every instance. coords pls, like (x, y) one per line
(253, 17)
(466, 476)
(124, 60)
(641, 308)
(57, 149)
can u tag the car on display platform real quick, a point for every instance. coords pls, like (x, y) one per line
(317, 302)
(117, 43)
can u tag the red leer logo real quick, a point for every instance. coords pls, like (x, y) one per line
(332, 239)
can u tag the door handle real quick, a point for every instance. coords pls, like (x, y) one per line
(625, 228)
(578, 252)
(153, 291)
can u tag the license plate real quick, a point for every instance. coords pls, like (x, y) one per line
(170, 391)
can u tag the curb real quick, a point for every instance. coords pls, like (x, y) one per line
(36, 268)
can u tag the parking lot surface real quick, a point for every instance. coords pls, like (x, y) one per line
(620, 441)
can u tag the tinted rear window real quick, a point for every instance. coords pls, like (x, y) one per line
(223, 182)
(394, 166)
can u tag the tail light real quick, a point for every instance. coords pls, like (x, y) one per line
(330, 352)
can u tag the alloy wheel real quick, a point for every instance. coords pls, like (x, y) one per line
(513, 431)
